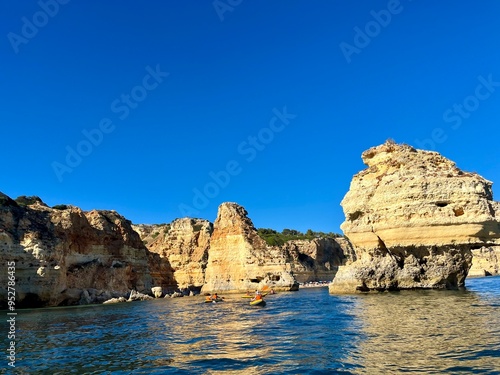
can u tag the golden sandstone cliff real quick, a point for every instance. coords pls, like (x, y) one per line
(229, 255)
(413, 218)
(67, 256)
(239, 259)
(182, 252)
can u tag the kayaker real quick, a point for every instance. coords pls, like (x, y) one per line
(214, 297)
(258, 295)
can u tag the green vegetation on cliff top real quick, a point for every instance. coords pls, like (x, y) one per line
(274, 238)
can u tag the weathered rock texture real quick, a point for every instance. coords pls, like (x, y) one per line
(239, 259)
(317, 259)
(485, 261)
(413, 217)
(182, 247)
(65, 257)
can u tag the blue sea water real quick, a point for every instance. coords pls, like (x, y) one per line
(305, 332)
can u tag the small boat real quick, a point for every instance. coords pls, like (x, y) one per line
(209, 300)
(258, 302)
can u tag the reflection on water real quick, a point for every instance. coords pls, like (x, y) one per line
(296, 333)
(429, 331)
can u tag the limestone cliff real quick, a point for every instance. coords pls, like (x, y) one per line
(182, 250)
(67, 256)
(317, 259)
(485, 261)
(239, 259)
(413, 217)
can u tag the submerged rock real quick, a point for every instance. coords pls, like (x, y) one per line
(413, 217)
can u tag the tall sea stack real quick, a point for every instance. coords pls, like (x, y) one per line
(413, 218)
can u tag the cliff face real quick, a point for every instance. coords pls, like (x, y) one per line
(413, 217)
(239, 259)
(485, 261)
(181, 248)
(317, 259)
(68, 256)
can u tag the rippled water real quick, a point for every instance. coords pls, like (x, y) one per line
(305, 332)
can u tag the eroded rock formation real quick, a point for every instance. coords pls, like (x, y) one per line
(485, 261)
(180, 252)
(67, 256)
(239, 259)
(413, 217)
(317, 259)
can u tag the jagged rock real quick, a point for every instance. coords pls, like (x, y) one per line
(485, 261)
(137, 296)
(86, 298)
(413, 217)
(176, 295)
(240, 260)
(157, 291)
(182, 247)
(61, 252)
(317, 259)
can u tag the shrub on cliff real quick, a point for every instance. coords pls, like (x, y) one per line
(24, 200)
(6, 201)
(274, 238)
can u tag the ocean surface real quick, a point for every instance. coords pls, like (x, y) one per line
(305, 332)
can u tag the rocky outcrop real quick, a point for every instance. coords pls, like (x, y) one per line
(317, 259)
(240, 260)
(67, 256)
(181, 249)
(182, 252)
(413, 217)
(485, 261)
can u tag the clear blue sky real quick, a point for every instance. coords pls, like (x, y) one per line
(421, 72)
